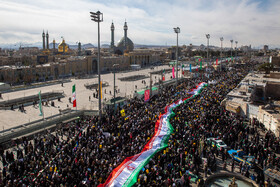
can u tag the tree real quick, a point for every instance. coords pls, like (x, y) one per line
(267, 67)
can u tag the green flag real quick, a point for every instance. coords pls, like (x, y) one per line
(200, 64)
(40, 104)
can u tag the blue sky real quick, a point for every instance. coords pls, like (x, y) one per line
(254, 22)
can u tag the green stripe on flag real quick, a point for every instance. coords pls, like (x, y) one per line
(73, 88)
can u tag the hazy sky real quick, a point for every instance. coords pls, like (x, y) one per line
(253, 22)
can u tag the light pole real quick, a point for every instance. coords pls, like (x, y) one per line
(115, 86)
(177, 31)
(231, 41)
(222, 39)
(208, 37)
(236, 42)
(98, 17)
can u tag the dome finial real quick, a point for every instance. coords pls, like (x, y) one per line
(125, 25)
(112, 25)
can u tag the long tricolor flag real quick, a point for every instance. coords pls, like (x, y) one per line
(127, 172)
(74, 95)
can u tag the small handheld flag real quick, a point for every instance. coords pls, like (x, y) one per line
(74, 95)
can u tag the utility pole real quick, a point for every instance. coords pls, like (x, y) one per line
(115, 87)
(222, 39)
(236, 42)
(177, 31)
(98, 17)
(231, 41)
(208, 37)
(151, 82)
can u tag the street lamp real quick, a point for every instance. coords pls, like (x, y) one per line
(236, 42)
(98, 17)
(208, 37)
(115, 86)
(222, 39)
(231, 41)
(177, 31)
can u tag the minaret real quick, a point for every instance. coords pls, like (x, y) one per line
(47, 39)
(53, 45)
(125, 34)
(79, 49)
(43, 35)
(112, 36)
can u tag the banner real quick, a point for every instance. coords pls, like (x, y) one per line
(173, 72)
(74, 95)
(216, 62)
(101, 89)
(40, 104)
(147, 95)
(127, 172)
(190, 68)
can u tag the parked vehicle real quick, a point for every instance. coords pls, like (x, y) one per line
(215, 142)
(240, 156)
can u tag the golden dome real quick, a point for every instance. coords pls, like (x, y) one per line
(62, 47)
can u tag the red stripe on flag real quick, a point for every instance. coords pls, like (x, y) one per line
(74, 103)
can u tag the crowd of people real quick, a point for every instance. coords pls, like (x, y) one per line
(84, 151)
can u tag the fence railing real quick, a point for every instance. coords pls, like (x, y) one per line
(12, 133)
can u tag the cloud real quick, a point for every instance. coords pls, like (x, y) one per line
(253, 22)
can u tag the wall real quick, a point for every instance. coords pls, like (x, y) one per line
(273, 90)
(274, 75)
(253, 111)
(276, 61)
(270, 121)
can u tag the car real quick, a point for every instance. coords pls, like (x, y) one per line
(215, 142)
(239, 156)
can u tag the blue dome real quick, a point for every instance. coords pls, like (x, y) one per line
(121, 44)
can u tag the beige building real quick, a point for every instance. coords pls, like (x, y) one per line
(142, 57)
(61, 66)
(270, 117)
(257, 97)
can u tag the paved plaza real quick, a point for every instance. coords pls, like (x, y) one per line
(85, 99)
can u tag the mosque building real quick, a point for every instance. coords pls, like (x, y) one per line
(124, 45)
(62, 47)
